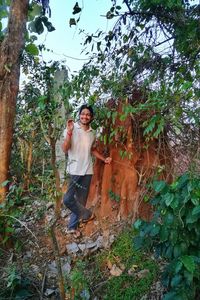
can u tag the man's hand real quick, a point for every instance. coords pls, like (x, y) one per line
(108, 160)
(70, 125)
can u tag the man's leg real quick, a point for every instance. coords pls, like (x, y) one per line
(71, 201)
(83, 189)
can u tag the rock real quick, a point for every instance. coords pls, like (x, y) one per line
(49, 205)
(90, 245)
(82, 247)
(49, 292)
(27, 255)
(52, 267)
(99, 241)
(66, 268)
(141, 274)
(85, 295)
(72, 248)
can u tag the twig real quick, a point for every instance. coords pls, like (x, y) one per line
(43, 283)
(57, 259)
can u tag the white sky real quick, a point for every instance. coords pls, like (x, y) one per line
(65, 41)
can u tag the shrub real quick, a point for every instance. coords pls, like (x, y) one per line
(173, 233)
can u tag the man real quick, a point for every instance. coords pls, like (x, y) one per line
(79, 144)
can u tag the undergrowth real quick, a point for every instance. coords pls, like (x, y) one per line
(97, 280)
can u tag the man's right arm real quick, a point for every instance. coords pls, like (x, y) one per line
(67, 142)
(68, 135)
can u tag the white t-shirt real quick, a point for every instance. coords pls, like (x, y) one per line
(79, 155)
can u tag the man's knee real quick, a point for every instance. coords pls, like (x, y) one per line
(67, 200)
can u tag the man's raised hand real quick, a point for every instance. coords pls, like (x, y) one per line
(70, 125)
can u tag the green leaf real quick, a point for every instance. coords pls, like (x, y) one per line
(137, 224)
(48, 24)
(23, 294)
(164, 233)
(35, 11)
(159, 185)
(188, 262)
(177, 251)
(32, 49)
(168, 198)
(187, 85)
(155, 230)
(138, 242)
(196, 210)
(182, 181)
(9, 229)
(151, 124)
(178, 266)
(175, 281)
(76, 9)
(72, 21)
(39, 28)
(191, 218)
(4, 183)
(169, 218)
(170, 296)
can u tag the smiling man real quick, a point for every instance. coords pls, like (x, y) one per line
(79, 144)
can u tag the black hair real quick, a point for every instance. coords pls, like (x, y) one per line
(85, 106)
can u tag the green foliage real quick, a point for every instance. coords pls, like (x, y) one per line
(9, 211)
(146, 49)
(174, 234)
(78, 281)
(16, 285)
(39, 23)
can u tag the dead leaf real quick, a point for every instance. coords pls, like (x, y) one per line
(132, 269)
(109, 265)
(115, 271)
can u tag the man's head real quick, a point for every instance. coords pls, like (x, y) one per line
(86, 114)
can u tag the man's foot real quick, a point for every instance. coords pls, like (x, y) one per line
(84, 221)
(77, 234)
(74, 232)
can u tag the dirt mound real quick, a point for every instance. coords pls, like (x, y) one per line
(118, 190)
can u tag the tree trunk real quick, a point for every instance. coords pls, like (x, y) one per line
(57, 177)
(10, 51)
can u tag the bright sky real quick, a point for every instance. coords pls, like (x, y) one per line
(66, 41)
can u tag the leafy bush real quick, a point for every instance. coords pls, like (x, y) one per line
(15, 284)
(173, 233)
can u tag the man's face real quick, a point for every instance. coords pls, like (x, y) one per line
(85, 116)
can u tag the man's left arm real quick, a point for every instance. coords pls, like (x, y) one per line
(95, 152)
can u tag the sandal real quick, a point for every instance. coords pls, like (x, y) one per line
(84, 221)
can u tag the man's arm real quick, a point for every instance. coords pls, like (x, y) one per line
(67, 143)
(106, 160)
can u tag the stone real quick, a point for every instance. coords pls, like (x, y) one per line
(72, 248)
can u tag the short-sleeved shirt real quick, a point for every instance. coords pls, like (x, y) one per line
(79, 155)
